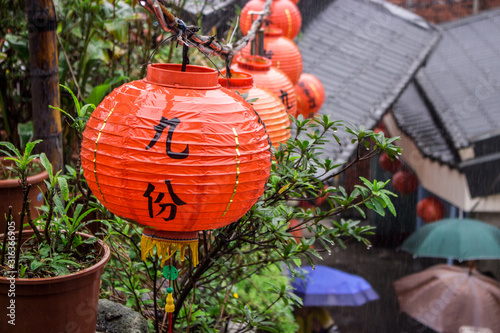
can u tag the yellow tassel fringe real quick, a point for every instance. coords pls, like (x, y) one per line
(166, 249)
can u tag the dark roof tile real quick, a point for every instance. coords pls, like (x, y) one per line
(364, 52)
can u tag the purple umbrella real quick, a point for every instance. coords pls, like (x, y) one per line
(325, 286)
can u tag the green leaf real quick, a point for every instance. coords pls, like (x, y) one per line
(98, 92)
(46, 164)
(35, 265)
(63, 185)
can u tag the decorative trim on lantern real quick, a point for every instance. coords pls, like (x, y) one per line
(237, 169)
(95, 152)
(167, 243)
(289, 17)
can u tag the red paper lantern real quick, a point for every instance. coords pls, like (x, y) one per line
(284, 15)
(296, 233)
(386, 164)
(321, 200)
(268, 77)
(405, 181)
(310, 95)
(176, 153)
(267, 105)
(431, 209)
(282, 51)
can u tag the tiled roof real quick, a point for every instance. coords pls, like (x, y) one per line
(413, 116)
(365, 53)
(461, 85)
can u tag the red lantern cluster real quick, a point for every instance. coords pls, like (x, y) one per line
(177, 153)
(284, 15)
(431, 209)
(405, 181)
(310, 95)
(386, 164)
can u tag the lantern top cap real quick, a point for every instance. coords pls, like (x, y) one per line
(254, 62)
(237, 80)
(171, 75)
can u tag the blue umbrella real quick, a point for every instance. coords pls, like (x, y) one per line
(325, 286)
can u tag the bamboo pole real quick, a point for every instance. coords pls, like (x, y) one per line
(44, 72)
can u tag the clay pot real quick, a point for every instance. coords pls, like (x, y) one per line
(10, 195)
(58, 304)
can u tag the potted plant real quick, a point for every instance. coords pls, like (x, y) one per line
(50, 273)
(10, 190)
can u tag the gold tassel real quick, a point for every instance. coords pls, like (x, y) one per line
(166, 248)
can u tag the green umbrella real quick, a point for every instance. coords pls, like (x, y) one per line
(461, 239)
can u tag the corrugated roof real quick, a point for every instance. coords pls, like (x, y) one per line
(365, 53)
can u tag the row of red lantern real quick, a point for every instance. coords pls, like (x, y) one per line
(284, 24)
(429, 209)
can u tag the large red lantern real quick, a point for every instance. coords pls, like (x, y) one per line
(386, 164)
(310, 95)
(266, 104)
(405, 181)
(282, 52)
(431, 209)
(268, 77)
(284, 15)
(176, 153)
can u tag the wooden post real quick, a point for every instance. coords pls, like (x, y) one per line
(44, 72)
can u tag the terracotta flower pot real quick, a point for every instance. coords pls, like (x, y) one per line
(59, 304)
(10, 195)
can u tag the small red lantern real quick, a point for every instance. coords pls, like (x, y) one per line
(321, 200)
(268, 77)
(310, 95)
(386, 164)
(282, 51)
(297, 233)
(431, 209)
(266, 104)
(284, 15)
(176, 153)
(405, 181)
